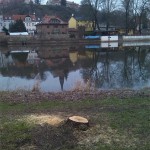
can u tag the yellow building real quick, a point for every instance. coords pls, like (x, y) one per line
(123, 31)
(75, 22)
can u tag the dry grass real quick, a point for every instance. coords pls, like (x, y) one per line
(42, 119)
(81, 86)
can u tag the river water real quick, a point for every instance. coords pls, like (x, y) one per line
(57, 68)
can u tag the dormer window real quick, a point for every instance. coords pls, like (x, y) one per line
(28, 19)
(54, 21)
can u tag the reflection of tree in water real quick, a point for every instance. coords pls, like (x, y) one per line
(119, 69)
(21, 57)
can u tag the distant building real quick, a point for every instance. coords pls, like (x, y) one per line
(72, 5)
(76, 22)
(28, 1)
(9, 1)
(52, 25)
(1, 23)
(30, 21)
(54, 2)
(7, 20)
(68, 3)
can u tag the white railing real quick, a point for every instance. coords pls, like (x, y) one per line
(136, 38)
(109, 38)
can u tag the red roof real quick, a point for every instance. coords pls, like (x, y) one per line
(47, 19)
(22, 17)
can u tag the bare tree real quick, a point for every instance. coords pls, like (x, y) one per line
(94, 8)
(139, 9)
(108, 6)
(126, 4)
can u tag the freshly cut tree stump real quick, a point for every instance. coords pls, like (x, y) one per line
(78, 122)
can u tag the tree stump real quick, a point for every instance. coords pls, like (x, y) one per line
(78, 122)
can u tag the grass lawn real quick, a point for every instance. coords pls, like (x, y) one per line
(114, 124)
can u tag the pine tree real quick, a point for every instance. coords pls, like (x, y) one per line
(5, 30)
(18, 26)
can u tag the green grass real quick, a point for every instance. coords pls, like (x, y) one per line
(14, 134)
(116, 124)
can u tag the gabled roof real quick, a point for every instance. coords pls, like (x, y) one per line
(22, 17)
(49, 20)
(7, 17)
(81, 18)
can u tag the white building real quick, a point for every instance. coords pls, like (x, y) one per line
(7, 21)
(29, 21)
(1, 23)
(5, 61)
(68, 3)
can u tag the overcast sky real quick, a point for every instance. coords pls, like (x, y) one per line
(76, 1)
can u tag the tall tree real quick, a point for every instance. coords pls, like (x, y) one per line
(63, 3)
(126, 4)
(18, 26)
(108, 6)
(94, 6)
(5, 30)
(140, 8)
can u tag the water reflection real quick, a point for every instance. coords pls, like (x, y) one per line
(105, 66)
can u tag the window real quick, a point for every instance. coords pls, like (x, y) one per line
(56, 31)
(54, 20)
(27, 19)
(55, 26)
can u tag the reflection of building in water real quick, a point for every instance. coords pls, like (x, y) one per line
(106, 69)
(73, 56)
(76, 56)
(62, 75)
(53, 52)
(17, 64)
(32, 57)
(5, 60)
(59, 67)
(19, 58)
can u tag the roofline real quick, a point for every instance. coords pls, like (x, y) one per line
(51, 24)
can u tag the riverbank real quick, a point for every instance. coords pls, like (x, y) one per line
(27, 40)
(118, 119)
(23, 96)
(34, 40)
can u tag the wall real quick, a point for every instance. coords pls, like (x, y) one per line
(72, 23)
(45, 30)
(86, 24)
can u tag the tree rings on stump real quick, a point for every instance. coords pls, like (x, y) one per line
(78, 122)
